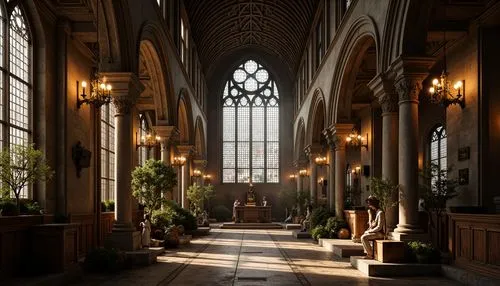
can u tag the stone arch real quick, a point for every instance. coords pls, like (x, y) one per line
(405, 30)
(184, 118)
(316, 122)
(300, 140)
(361, 36)
(199, 139)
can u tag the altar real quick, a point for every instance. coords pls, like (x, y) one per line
(253, 214)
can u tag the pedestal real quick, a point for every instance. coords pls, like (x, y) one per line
(124, 240)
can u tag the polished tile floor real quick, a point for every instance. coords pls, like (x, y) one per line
(252, 257)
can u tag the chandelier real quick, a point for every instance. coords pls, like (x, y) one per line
(149, 141)
(99, 91)
(179, 161)
(355, 139)
(442, 91)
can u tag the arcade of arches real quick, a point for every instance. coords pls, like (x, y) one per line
(313, 97)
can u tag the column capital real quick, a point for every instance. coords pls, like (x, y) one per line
(330, 138)
(186, 150)
(167, 133)
(383, 88)
(410, 72)
(312, 151)
(340, 131)
(126, 90)
(300, 164)
(201, 164)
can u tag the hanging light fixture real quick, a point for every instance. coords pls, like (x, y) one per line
(179, 161)
(320, 161)
(149, 141)
(442, 91)
(355, 139)
(99, 92)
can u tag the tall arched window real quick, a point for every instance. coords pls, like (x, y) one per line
(250, 115)
(107, 152)
(143, 131)
(438, 150)
(15, 80)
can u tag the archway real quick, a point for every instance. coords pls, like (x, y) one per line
(199, 139)
(184, 119)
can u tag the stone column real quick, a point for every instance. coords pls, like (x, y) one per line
(299, 165)
(199, 164)
(167, 134)
(331, 168)
(126, 90)
(340, 131)
(383, 89)
(187, 151)
(410, 73)
(313, 151)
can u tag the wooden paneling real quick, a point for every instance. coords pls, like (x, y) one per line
(107, 220)
(85, 231)
(475, 242)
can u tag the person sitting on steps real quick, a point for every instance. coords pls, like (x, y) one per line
(376, 229)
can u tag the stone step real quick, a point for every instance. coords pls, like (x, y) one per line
(201, 231)
(232, 225)
(145, 256)
(374, 268)
(291, 226)
(185, 239)
(342, 247)
(301, 234)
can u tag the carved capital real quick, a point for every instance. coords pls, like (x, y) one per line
(408, 89)
(389, 102)
(123, 104)
(340, 133)
(126, 90)
(186, 150)
(330, 138)
(167, 133)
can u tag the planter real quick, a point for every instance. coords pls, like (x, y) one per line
(423, 258)
(343, 233)
(357, 220)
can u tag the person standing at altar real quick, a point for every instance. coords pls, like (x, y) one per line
(236, 203)
(265, 203)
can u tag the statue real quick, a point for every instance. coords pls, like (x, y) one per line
(306, 223)
(265, 202)
(236, 203)
(146, 231)
(251, 196)
(376, 228)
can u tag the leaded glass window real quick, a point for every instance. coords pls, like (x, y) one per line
(107, 152)
(250, 116)
(438, 151)
(15, 81)
(143, 131)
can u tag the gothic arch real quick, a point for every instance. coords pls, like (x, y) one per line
(199, 139)
(153, 51)
(300, 140)
(316, 122)
(184, 118)
(361, 36)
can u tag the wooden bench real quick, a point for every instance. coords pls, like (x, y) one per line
(391, 251)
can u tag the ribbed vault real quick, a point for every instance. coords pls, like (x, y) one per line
(276, 26)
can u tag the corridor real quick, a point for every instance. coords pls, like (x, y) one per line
(251, 257)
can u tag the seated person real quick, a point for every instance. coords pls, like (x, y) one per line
(376, 229)
(265, 203)
(306, 223)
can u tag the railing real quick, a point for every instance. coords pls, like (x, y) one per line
(474, 241)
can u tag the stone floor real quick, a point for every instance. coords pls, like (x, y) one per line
(251, 257)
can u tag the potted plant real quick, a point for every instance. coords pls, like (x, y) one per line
(20, 166)
(288, 198)
(150, 181)
(383, 190)
(197, 195)
(424, 252)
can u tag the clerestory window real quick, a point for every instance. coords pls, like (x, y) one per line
(250, 115)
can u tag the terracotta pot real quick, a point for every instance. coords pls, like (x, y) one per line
(343, 233)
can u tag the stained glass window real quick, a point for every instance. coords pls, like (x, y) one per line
(438, 151)
(15, 81)
(250, 114)
(107, 152)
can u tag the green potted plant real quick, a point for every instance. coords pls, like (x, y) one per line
(197, 195)
(383, 190)
(20, 166)
(288, 199)
(424, 252)
(151, 181)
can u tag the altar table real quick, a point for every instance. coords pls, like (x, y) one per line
(253, 214)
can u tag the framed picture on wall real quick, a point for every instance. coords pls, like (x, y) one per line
(463, 153)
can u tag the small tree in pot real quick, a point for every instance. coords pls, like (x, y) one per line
(383, 190)
(20, 166)
(197, 195)
(151, 181)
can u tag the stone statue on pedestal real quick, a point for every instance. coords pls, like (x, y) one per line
(146, 231)
(251, 196)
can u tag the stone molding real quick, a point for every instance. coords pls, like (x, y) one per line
(200, 164)
(312, 151)
(330, 138)
(167, 133)
(389, 103)
(409, 73)
(300, 164)
(186, 150)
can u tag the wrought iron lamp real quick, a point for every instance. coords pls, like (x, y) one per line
(442, 92)
(292, 176)
(179, 161)
(149, 141)
(320, 161)
(355, 139)
(197, 173)
(303, 173)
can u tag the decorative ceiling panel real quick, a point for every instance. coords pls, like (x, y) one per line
(280, 27)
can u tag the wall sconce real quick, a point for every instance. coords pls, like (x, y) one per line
(100, 92)
(443, 93)
(81, 157)
(207, 177)
(149, 141)
(292, 177)
(196, 173)
(303, 173)
(321, 181)
(179, 161)
(320, 161)
(355, 139)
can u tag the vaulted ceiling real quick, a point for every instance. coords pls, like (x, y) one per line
(278, 27)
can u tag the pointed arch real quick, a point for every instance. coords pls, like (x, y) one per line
(184, 118)
(361, 36)
(300, 140)
(153, 50)
(199, 139)
(317, 118)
